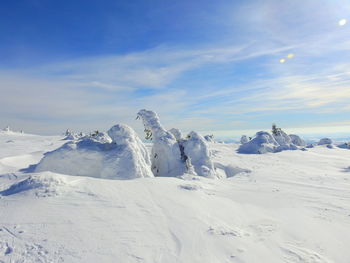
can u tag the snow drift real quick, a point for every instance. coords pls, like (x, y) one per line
(122, 156)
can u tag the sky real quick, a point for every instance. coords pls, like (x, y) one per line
(218, 67)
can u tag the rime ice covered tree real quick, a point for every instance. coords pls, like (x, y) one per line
(172, 155)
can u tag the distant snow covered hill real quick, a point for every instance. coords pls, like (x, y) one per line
(290, 206)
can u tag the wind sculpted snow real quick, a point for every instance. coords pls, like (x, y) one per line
(291, 206)
(124, 157)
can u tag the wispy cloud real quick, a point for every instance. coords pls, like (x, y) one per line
(174, 80)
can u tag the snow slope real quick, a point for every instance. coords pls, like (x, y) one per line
(293, 206)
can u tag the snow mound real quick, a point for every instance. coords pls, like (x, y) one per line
(44, 184)
(196, 149)
(263, 142)
(325, 141)
(345, 145)
(124, 157)
(296, 140)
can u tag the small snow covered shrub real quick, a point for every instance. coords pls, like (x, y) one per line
(263, 142)
(280, 136)
(244, 139)
(118, 155)
(196, 148)
(69, 135)
(296, 140)
(345, 145)
(209, 138)
(283, 140)
(325, 141)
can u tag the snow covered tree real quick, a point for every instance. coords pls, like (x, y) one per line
(177, 133)
(174, 156)
(275, 131)
(166, 155)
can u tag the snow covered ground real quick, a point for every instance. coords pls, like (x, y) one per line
(291, 206)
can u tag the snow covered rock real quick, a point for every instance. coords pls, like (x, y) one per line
(296, 140)
(196, 149)
(263, 142)
(325, 141)
(177, 133)
(244, 139)
(166, 156)
(123, 157)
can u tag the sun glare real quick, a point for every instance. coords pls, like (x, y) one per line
(291, 55)
(342, 22)
(282, 60)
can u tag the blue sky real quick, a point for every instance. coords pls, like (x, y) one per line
(210, 66)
